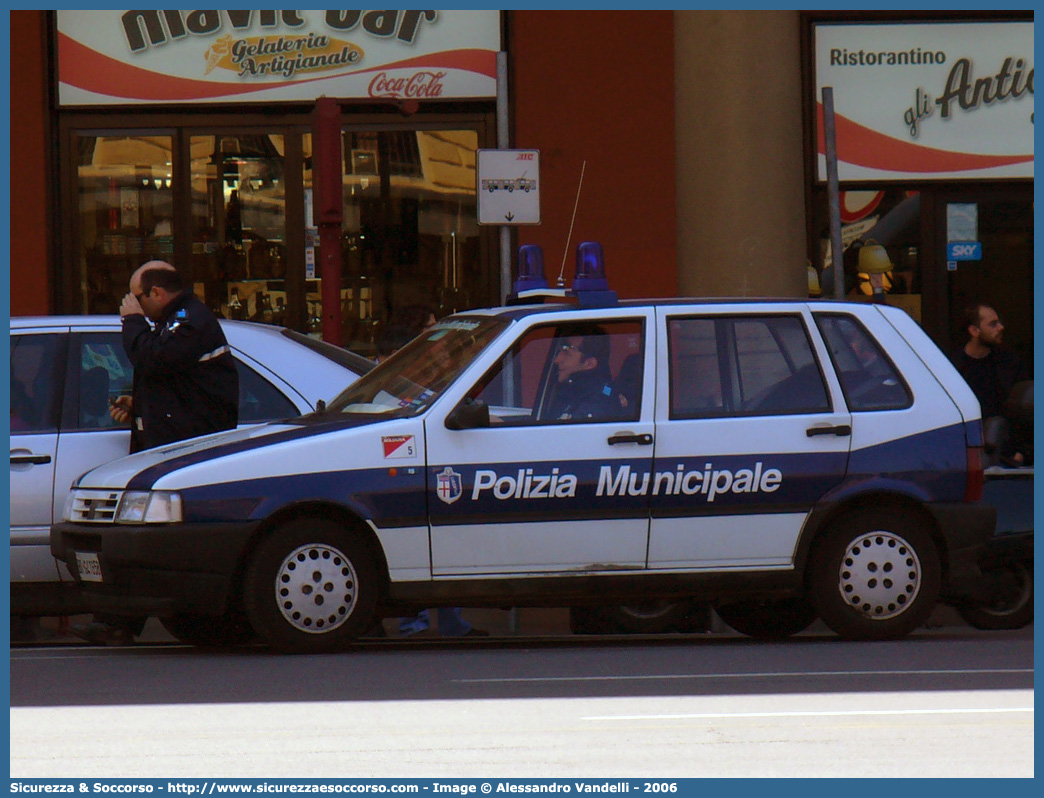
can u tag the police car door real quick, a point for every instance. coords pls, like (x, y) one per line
(758, 432)
(551, 485)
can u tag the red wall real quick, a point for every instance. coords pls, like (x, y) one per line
(598, 86)
(30, 273)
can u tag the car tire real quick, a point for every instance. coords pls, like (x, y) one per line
(874, 575)
(311, 587)
(1011, 607)
(771, 619)
(210, 631)
(655, 617)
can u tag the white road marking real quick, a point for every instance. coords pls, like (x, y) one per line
(814, 714)
(754, 675)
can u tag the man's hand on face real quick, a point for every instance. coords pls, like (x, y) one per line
(130, 306)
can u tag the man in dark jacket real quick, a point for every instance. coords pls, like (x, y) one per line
(584, 387)
(185, 379)
(185, 384)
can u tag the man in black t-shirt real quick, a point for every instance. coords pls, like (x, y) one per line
(989, 370)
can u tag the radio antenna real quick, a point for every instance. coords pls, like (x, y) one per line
(561, 281)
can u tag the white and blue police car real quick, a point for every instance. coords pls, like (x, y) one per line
(794, 459)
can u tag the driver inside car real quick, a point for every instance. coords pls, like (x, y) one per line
(584, 382)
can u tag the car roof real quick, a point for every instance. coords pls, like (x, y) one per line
(521, 311)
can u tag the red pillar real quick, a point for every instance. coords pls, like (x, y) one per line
(328, 208)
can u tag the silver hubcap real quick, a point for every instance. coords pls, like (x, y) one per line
(880, 575)
(316, 588)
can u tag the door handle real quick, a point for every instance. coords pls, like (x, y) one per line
(840, 430)
(33, 459)
(645, 439)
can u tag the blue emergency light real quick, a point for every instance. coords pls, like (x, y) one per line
(590, 268)
(530, 268)
(590, 287)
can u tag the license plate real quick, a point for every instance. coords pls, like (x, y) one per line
(88, 566)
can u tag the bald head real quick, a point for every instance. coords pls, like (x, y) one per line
(155, 284)
(148, 266)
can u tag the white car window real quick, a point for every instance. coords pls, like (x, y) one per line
(34, 368)
(735, 365)
(105, 373)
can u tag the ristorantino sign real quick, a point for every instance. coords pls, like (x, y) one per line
(923, 101)
(133, 57)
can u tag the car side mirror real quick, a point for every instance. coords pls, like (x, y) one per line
(469, 414)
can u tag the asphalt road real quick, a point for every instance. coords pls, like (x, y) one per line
(943, 702)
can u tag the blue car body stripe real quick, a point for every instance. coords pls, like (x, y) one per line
(390, 497)
(930, 466)
(145, 479)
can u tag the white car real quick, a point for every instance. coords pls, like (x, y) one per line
(783, 459)
(67, 368)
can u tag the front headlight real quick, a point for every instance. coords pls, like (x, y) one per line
(149, 507)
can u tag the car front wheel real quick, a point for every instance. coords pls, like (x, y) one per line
(874, 575)
(311, 587)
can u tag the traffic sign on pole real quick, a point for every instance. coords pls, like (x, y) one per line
(508, 187)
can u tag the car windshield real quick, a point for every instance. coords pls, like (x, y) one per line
(410, 380)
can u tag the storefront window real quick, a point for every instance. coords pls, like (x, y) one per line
(410, 241)
(125, 205)
(236, 216)
(889, 218)
(239, 255)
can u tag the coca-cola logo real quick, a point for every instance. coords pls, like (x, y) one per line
(419, 85)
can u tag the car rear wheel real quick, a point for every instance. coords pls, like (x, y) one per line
(210, 631)
(311, 587)
(874, 575)
(771, 619)
(1011, 598)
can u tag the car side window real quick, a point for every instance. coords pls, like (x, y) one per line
(568, 373)
(868, 378)
(104, 373)
(259, 400)
(34, 387)
(743, 366)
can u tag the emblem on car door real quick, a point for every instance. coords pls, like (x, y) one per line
(448, 485)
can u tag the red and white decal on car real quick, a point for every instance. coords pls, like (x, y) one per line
(398, 446)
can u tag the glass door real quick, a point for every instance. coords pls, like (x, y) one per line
(410, 241)
(125, 207)
(238, 199)
(1000, 272)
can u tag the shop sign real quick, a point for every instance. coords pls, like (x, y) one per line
(165, 57)
(949, 100)
(964, 250)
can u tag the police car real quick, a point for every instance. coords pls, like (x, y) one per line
(764, 454)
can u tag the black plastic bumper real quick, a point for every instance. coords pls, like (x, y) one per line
(156, 569)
